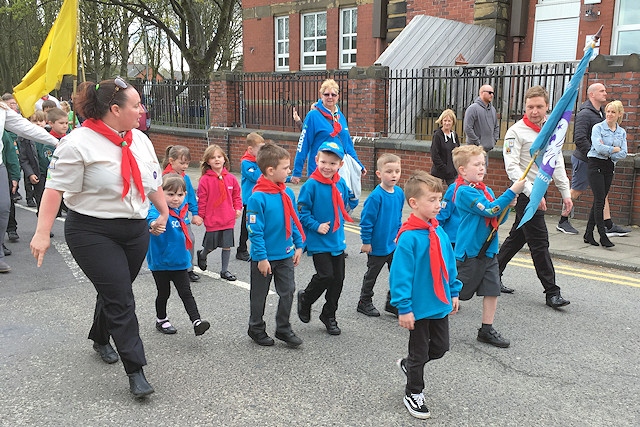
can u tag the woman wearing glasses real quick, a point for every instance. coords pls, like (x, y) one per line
(324, 123)
(107, 171)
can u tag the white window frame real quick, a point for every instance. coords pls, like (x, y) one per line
(617, 29)
(282, 59)
(316, 54)
(351, 14)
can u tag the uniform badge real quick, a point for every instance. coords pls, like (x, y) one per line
(495, 209)
(252, 219)
(480, 206)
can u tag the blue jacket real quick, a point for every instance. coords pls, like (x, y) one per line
(191, 197)
(603, 140)
(249, 177)
(410, 279)
(266, 228)
(448, 217)
(168, 251)
(381, 219)
(315, 208)
(316, 130)
(474, 209)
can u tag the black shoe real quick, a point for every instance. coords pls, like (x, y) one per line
(201, 326)
(346, 255)
(506, 290)
(402, 364)
(50, 234)
(228, 276)
(169, 329)
(6, 250)
(243, 256)
(139, 385)
(261, 338)
(304, 311)
(416, 407)
(202, 262)
(331, 324)
(605, 242)
(31, 203)
(290, 338)
(588, 238)
(16, 197)
(390, 309)
(368, 309)
(106, 352)
(13, 236)
(193, 276)
(556, 301)
(493, 337)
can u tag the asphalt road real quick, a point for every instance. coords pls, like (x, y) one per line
(573, 367)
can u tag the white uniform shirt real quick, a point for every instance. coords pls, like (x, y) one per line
(14, 122)
(86, 167)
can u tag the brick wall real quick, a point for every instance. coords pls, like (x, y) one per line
(456, 10)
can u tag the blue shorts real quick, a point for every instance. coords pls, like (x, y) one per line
(579, 175)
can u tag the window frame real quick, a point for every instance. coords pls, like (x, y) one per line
(315, 54)
(617, 29)
(284, 56)
(351, 11)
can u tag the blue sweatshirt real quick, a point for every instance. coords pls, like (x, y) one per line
(410, 279)
(448, 217)
(266, 227)
(381, 219)
(315, 208)
(168, 251)
(474, 208)
(191, 197)
(250, 172)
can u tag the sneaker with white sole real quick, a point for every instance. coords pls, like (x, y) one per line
(617, 231)
(415, 405)
(566, 228)
(402, 364)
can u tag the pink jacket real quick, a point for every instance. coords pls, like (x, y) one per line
(222, 217)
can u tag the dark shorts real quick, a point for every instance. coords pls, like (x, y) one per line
(218, 239)
(579, 175)
(480, 276)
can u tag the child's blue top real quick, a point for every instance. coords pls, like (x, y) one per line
(381, 219)
(266, 227)
(190, 197)
(448, 217)
(250, 172)
(410, 279)
(474, 209)
(315, 208)
(167, 251)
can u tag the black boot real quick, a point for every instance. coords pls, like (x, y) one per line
(604, 240)
(139, 385)
(588, 238)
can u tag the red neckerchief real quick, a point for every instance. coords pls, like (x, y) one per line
(222, 188)
(530, 124)
(436, 261)
(129, 166)
(337, 127)
(183, 224)
(170, 169)
(56, 135)
(493, 222)
(271, 187)
(248, 156)
(335, 196)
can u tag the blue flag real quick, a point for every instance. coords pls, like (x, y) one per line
(548, 144)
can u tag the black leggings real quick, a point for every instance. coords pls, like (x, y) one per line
(600, 173)
(180, 279)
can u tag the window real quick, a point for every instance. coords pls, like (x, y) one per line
(348, 36)
(314, 41)
(626, 35)
(282, 43)
(555, 33)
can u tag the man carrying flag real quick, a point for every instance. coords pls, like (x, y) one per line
(517, 157)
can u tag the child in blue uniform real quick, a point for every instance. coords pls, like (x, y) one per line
(479, 211)
(448, 217)
(424, 285)
(168, 257)
(250, 172)
(379, 224)
(323, 223)
(276, 245)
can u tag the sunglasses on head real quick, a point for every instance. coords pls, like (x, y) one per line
(119, 84)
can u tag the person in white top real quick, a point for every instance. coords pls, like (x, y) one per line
(107, 171)
(46, 98)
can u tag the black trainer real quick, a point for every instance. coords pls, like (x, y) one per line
(200, 327)
(331, 324)
(243, 256)
(193, 276)
(402, 364)
(290, 338)
(202, 262)
(415, 405)
(493, 337)
(368, 309)
(261, 338)
(390, 309)
(304, 311)
(556, 301)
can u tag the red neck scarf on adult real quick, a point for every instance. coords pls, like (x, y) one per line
(129, 166)
(530, 124)
(56, 134)
(436, 261)
(335, 196)
(333, 118)
(181, 215)
(222, 187)
(248, 156)
(493, 222)
(270, 187)
(170, 169)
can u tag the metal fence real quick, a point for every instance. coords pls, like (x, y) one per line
(176, 103)
(417, 97)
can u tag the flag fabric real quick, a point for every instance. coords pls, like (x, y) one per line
(58, 57)
(548, 144)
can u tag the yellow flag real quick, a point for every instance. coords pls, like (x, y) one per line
(58, 57)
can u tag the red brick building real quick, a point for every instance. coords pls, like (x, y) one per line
(339, 34)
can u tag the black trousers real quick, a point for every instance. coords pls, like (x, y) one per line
(374, 266)
(283, 276)
(12, 225)
(180, 279)
(600, 174)
(329, 277)
(429, 340)
(535, 234)
(110, 252)
(244, 234)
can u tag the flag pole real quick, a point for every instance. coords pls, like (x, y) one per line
(81, 63)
